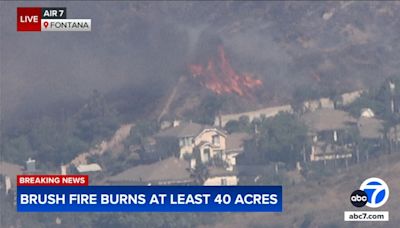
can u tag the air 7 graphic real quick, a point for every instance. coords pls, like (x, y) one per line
(377, 191)
(53, 13)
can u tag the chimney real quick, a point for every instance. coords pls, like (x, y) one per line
(335, 137)
(31, 166)
(63, 169)
(392, 86)
(219, 119)
(392, 105)
(8, 184)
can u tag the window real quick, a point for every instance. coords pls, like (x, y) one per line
(207, 154)
(215, 140)
(188, 141)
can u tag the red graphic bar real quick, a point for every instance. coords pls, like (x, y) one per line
(29, 19)
(52, 180)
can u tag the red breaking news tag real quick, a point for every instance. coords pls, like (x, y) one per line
(52, 180)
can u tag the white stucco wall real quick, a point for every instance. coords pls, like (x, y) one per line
(217, 181)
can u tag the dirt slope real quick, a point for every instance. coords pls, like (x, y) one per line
(323, 203)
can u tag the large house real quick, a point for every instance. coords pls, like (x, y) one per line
(370, 128)
(8, 174)
(330, 132)
(185, 147)
(191, 140)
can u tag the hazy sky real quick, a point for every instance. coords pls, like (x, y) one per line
(123, 48)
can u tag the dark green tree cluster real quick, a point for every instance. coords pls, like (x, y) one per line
(96, 119)
(141, 130)
(306, 93)
(282, 138)
(241, 125)
(53, 142)
(385, 103)
(208, 110)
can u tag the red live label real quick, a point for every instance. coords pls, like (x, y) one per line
(29, 19)
(52, 180)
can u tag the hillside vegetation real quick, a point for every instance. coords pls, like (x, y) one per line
(322, 200)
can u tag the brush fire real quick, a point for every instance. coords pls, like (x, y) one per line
(219, 76)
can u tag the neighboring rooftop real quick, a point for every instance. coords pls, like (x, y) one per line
(234, 141)
(327, 119)
(370, 128)
(168, 170)
(10, 170)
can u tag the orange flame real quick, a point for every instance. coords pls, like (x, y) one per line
(219, 77)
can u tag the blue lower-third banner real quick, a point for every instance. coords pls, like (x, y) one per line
(149, 199)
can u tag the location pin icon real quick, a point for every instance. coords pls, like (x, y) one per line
(46, 24)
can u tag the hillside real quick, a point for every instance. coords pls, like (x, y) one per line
(323, 46)
(65, 95)
(322, 202)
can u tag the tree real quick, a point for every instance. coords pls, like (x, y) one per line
(380, 101)
(96, 119)
(141, 130)
(17, 149)
(53, 142)
(208, 109)
(241, 125)
(281, 139)
(232, 126)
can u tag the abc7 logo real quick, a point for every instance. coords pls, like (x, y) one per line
(359, 198)
(374, 192)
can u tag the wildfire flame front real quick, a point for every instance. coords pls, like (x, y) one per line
(219, 77)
